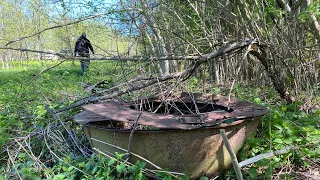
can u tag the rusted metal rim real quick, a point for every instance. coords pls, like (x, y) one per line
(115, 111)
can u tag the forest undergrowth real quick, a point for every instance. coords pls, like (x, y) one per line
(32, 148)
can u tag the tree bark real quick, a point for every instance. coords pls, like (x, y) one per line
(274, 75)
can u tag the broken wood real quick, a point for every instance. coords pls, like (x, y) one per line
(143, 82)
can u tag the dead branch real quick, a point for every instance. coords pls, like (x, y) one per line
(62, 55)
(137, 84)
(108, 58)
(56, 117)
(220, 52)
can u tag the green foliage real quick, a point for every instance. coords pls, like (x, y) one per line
(95, 167)
(284, 126)
(313, 8)
(194, 83)
(26, 112)
(23, 93)
(100, 167)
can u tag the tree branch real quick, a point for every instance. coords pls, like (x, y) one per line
(140, 82)
(62, 55)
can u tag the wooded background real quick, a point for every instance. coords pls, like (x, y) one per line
(287, 36)
(148, 47)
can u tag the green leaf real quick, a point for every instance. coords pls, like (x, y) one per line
(94, 170)
(111, 161)
(278, 127)
(288, 141)
(2, 177)
(29, 163)
(59, 177)
(253, 173)
(257, 100)
(204, 178)
(88, 166)
(141, 164)
(82, 164)
(269, 171)
(35, 177)
(279, 141)
(120, 156)
(121, 168)
(70, 168)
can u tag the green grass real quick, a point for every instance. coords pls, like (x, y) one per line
(23, 92)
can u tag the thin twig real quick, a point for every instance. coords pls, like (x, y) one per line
(31, 155)
(124, 150)
(13, 164)
(237, 73)
(55, 116)
(131, 134)
(45, 141)
(133, 86)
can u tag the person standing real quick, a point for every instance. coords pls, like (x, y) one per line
(81, 49)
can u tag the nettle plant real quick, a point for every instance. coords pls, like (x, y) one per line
(284, 126)
(69, 167)
(98, 167)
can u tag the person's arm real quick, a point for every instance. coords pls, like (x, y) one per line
(90, 46)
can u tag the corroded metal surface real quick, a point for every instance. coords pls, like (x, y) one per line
(115, 111)
(195, 152)
(187, 143)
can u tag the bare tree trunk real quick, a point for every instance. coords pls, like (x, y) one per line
(161, 46)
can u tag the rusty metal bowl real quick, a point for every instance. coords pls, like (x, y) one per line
(186, 142)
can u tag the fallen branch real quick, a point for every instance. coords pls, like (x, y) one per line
(200, 59)
(56, 117)
(62, 55)
(140, 82)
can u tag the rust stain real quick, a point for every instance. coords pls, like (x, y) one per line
(216, 115)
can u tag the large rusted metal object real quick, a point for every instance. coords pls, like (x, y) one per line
(180, 134)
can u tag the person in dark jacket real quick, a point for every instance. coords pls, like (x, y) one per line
(82, 49)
